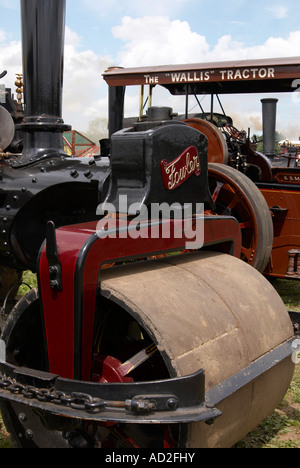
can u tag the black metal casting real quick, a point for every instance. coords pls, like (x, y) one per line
(136, 156)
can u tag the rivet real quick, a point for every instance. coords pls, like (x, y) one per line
(74, 173)
(172, 403)
(22, 417)
(53, 284)
(29, 434)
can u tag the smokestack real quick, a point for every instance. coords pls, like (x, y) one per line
(43, 27)
(269, 126)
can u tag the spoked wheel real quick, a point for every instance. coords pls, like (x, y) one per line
(236, 195)
(123, 352)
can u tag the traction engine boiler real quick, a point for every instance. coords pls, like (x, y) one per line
(163, 348)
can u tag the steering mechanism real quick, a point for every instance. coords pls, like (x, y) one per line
(239, 136)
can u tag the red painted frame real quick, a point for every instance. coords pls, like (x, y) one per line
(69, 314)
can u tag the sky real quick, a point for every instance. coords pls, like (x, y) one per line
(133, 33)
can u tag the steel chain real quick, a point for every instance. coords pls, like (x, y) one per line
(79, 401)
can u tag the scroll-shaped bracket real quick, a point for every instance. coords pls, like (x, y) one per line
(55, 281)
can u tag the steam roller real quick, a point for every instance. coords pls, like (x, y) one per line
(144, 331)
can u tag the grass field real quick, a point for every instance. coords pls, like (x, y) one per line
(282, 428)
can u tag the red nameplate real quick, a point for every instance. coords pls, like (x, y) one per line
(178, 171)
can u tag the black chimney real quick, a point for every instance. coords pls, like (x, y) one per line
(43, 27)
(269, 126)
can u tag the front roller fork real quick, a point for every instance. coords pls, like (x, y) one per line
(117, 397)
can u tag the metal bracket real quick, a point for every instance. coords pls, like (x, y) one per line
(277, 210)
(55, 277)
(145, 403)
(139, 402)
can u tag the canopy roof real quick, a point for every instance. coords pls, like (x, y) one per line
(236, 77)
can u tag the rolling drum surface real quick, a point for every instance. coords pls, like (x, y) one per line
(210, 311)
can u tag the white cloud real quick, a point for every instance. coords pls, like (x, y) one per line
(158, 40)
(10, 60)
(72, 38)
(278, 11)
(228, 49)
(83, 83)
(10, 4)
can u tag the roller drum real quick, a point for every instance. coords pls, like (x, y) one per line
(215, 312)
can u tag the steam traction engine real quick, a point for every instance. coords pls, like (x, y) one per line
(260, 190)
(146, 353)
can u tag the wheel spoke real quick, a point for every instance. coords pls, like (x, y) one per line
(236, 199)
(248, 254)
(246, 225)
(217, 190)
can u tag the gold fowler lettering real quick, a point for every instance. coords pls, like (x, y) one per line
(178, 171)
